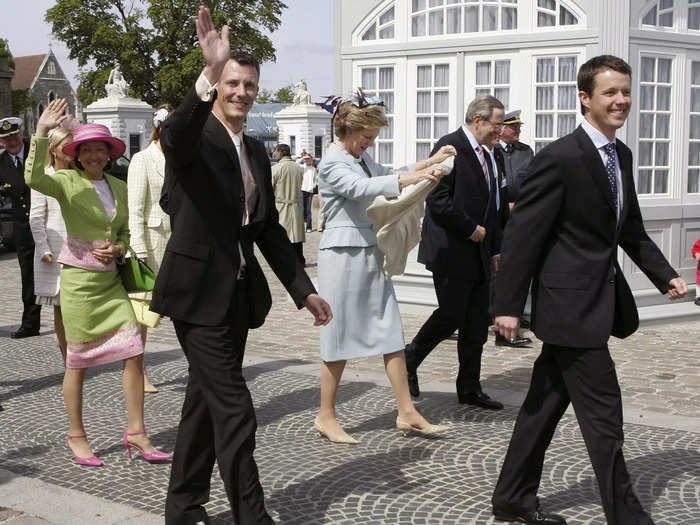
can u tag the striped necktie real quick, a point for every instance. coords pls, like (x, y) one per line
(482, 160)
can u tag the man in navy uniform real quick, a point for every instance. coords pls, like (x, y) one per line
(13, 186)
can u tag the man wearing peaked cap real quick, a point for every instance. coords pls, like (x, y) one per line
(12, 185)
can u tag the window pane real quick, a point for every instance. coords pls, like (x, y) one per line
(386, 78)
(663, 98)
(422, 151)
(695, 75)
(418, 5)
(387, 132)
(386, 153)
(442, 75)
(545, 70)
(490, 18)
(502, 72)
(483, 91)
(666, 20)
(471, 19)
(425, 76)
(483, 73)
(387, 32)
(441, 127)
(646, 125)
(567, 97)
(663, 126)
(423, 128)
(388, 99)
(566, 17)
(650, 18)
(546, 20)
(665, 4)
(661, 154)
(567, 69)
(544, 126)
(435, 3)
(503, 94)
(645, 150)
(424, 105)
(436, 22)
(369, 79)
(418, 25)
(387, 17)
(694, 154)
(545, 97)
(660, 181)
(565, 124)
(453, 20)
(371, 33)
(442, 102)
(547, 4)
(644, 183)
(695, 127)
(647, 73)
(540, 145)
(664, 74)
(509, 18)
(693, 179)
(694, 18)
(646, 97)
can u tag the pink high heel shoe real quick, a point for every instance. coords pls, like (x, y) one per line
(152, 457)
(92, 461)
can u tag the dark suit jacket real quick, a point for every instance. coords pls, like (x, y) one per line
(460, 202)
(515, 164)
(563, 233)
(197, 278)
(503, 188)
(18, 191)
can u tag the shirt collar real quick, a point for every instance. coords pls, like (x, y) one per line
(599, 140)
(503, 144)
(19, 156)
(470, 136)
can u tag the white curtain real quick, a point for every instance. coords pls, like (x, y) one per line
(422, 150)
(483, 73)
(644, 181)
(369, 78)
(695, 74)
(545, 70)
(388, 131)
(694, 18)
(388, 98)
(453, 19)
(386, 78)
(693, 178)
(386, 153)
(425, 76)
(650, 18)
(547, 4)
(435, 3)
(442, 102)
(387, 17)
(441, 127)
(387, 32)
(423, 128)
(645, 150)
(567, 69)
(646, 97)
(646, 125)
(490, 18)
(546, 20)
(418, 5)
(544, 97)
(695, 127)
(660, 181)
(503, 94)
(423, 102)
(664, 73)
(436, 22)
(695, 100)
(502, 72)
(442, 75)
(647, 70)
(544, 126)
(371, 33)
(663, 98)
(663, 125)
(567, 97)
(483, 91)
(509, 18)
(566, 17)
(694, 154)
(471, 19)
(418, 25)
(661, 154)
(565, 124)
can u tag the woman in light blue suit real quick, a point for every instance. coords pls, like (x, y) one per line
(366, 316)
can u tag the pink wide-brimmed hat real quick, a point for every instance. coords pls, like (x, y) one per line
(93, 132)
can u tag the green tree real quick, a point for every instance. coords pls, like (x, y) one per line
(154, 42)
(265, 96)
(5, 52)
(285, 95)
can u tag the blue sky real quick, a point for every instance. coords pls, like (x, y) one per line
(304, 42)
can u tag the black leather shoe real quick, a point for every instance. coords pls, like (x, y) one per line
(531, 517)
(21, 333)
(515, 342)
(413, 387)
(479, 399)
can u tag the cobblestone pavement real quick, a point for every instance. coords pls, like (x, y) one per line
(387, 478)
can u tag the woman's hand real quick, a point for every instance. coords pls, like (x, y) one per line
(433, 174)
(107, 252)
(52, 116)
(442, 154)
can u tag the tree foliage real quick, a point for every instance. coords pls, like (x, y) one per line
(154, 42)
(5, 52)
(284, 95)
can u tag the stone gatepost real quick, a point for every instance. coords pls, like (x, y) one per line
(127, 118)
(303, 125)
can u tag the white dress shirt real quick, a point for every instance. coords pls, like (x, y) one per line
(600, 141)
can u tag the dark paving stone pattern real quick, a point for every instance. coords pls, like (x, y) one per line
(386, 479)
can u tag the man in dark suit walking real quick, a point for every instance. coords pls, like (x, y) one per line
(460, 243)
(576, 206)
(12, 184)
(221, 201)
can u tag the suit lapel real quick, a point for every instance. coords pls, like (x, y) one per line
(471, 160)
(594, 165)
(258, 174)
(228, 172)
(627, 180)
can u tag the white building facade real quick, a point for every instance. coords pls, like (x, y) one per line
(429, 58)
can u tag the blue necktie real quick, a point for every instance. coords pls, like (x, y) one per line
(610, 170)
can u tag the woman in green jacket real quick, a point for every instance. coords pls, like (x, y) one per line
(99, 320)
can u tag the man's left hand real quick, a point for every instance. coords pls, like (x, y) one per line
(320, 308)
(677, 288)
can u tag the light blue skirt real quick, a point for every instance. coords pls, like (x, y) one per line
(366, 319)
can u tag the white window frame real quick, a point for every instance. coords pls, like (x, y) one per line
(461, 4)
(473, 88)
(679, 13)
(695, 196)
(580, 16)
(373, 18)
(377, 91)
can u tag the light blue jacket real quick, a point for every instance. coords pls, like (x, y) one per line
(347, 192)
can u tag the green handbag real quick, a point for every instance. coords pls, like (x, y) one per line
(136, 275)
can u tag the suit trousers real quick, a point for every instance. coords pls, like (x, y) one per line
(462, 305)
(218, 423)
(587, 379)
(24, 244)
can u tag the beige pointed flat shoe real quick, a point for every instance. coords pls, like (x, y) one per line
(344, 438)
(430, 429)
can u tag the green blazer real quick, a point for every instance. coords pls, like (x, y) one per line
(87, 224)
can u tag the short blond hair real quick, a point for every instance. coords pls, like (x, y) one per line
(55, 138)
(351, 118)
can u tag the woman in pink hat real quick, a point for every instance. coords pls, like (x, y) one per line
(99, 321)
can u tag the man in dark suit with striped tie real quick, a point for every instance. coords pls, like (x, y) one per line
(460, 243)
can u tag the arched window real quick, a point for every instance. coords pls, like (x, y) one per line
(51, 68)
(551, 13)
(444, 17)
(660, 14)
(382, 27)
